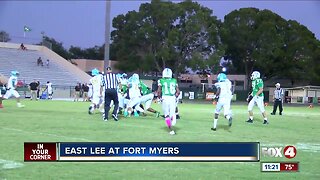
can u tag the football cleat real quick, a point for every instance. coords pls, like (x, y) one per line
(125, 114)
(230, 121)
(177, 116)
(213, 129)
(273, 113)
(265, 122)
(249, 121)
(90, 110)
(172, 132)
(115, 117)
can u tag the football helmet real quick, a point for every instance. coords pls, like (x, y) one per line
(221, 77)
(95, 72)
(255, 75)
(167, 73)
(15, 73)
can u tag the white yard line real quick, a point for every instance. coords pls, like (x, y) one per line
(6, 164)
(45, 134)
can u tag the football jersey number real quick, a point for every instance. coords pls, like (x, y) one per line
(169, 89)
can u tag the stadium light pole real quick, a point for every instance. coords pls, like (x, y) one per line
(107, 36)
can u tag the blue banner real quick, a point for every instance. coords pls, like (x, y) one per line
(144, 151)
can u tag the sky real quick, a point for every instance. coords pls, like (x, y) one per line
(82, 23)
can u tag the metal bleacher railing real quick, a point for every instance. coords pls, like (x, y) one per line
(59, 92)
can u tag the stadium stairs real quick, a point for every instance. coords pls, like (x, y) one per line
(61, 73)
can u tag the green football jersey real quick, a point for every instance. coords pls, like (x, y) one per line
(144, 89)
(256, 85)
(168, 86)
(124, 88)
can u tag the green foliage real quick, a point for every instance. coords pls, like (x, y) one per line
(58, 47)
(262, 40)
(166, 34)
(4, 36)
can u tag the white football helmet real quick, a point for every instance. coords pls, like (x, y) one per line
(255, 75)
(167, 73)
(135, 76)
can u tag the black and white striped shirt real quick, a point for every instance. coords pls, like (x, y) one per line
(110, 81)
(278, 93)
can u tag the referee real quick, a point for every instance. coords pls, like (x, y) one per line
(277, 99)
(110, 84)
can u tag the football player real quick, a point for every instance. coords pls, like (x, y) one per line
(168, 91)
(97, 90)
(11, 88)
(257, 97)
(147, 97)
(134, 95)
(223, 96)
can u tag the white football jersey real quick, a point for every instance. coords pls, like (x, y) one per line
(96, 82)
(49, 87)
(134, 90)
(12, 82)
(225, 88)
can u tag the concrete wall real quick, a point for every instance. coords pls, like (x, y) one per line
(88, 64)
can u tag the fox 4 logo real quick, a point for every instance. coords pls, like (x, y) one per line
(278, 152)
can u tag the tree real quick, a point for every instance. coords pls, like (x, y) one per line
(76, 52)
(299, 55)
(4, 36)
(165, 34)
(264, 41)
(58, 47)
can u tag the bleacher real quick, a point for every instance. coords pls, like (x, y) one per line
(26, 63)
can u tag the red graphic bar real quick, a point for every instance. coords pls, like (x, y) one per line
(289, 166)
(40, 151)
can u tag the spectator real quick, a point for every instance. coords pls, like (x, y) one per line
(2, 92)
(85, 89)
(81, 90)
(47, 63)
(38, 90)
(39, 62)
(77, 89)
(33, 87)
(22, 47)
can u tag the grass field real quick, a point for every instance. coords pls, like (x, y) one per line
(68, 121)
